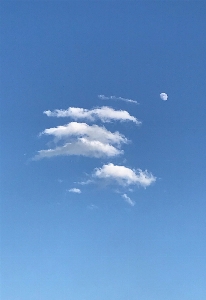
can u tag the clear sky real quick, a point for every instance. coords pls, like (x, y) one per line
(103, 190)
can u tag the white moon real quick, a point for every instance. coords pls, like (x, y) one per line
(164, 96)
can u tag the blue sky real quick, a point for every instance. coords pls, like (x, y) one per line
(127, 233)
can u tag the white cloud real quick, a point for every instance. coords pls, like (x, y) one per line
(83, 139)
(104, 113)
(103, 97)
(128, 200)
(164, 96)
(124, 176)
(92, 133)
(75, 190)
(82, 147)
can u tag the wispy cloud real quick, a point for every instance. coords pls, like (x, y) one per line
(128, 200)
(75, 190)
(104, 113)
(164, 96)
(92, 207)
(103, 97)
(124, 176)
(86, 182)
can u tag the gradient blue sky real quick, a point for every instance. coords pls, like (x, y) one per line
(59, 245)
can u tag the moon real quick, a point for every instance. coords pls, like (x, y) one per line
(164, 96)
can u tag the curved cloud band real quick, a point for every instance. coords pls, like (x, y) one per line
(104, 113)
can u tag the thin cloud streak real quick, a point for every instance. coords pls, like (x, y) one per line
(124, 176)
(103, 97)
(104, 113)
(128, 200)
(89, 181)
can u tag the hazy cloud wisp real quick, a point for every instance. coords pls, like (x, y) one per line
(128, 200)
(103, 97)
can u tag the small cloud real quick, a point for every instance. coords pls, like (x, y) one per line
(74, 190)
(103, 97)
(164, 96)
(124, 176)
(128, 200)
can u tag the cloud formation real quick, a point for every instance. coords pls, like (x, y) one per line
(96, 141)
(104, 113)
(91, 132)
(103, 97)
(82, 146)
(75, 190)
(128, 200)
(83, 139)
(124, 176)
(164, 96)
